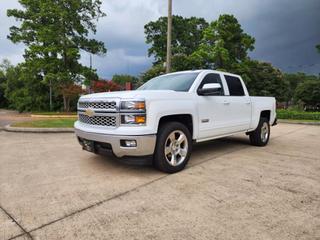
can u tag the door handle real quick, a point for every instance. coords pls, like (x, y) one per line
(248, 103)
(226, 102)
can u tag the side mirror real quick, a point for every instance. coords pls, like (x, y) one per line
(210, 89)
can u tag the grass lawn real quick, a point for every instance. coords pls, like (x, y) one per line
(300, 120)
(54, 113)
(47, 123)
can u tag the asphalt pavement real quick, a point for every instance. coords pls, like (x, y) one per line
(51, 189)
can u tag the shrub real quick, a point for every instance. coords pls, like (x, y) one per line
(290, 114)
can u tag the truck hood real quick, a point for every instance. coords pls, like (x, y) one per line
(146, 94)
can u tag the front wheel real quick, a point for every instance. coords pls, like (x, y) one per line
(173, 149)
(260, 136)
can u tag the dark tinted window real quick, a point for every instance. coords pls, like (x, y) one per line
(235, 86)
(212, 78)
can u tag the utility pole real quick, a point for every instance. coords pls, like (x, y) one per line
(90, 80)
(169, 32)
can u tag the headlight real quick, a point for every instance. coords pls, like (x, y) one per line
(133, 106)
(133, 119)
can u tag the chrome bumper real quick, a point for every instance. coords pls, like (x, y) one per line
(145, 143)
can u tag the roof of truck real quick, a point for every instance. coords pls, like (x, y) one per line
(204, 70)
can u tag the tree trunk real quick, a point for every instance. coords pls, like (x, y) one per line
(68, 104)
(64, 103)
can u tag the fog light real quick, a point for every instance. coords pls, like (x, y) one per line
(128, 143)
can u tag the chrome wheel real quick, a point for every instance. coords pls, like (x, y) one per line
(176, 148)
(264, 132)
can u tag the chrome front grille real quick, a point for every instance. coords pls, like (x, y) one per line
(109, 121)
(112, 105)
(99, 112)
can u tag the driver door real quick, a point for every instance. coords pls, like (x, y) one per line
(213, 109)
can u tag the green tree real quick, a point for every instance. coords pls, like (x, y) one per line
(154, 71)
(24, 89)
(3, 100)
(186, 36)
(309, 92)
(224, 45)
(262, 79)
(293, 80)
(122, 79)
(55, 32)
(5, 65)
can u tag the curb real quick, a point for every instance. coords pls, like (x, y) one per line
(53, 116)
(8, 128)
(296, 122)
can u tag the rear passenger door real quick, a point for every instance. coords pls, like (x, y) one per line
(239, 104)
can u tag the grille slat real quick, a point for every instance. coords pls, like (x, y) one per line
(110, 121)
(99, 105)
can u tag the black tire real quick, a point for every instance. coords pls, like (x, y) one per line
(161, 160)
(260, 136)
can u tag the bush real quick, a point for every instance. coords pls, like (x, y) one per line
(290, 114)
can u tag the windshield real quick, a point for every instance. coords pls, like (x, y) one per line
(177, 82)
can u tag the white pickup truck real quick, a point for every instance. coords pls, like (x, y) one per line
(163, 118)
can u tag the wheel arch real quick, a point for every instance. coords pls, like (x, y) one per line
(266, 114)
(185, 119)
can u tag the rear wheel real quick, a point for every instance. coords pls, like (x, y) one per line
(173, 149)
(260, 136)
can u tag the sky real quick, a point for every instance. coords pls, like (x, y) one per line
(286, 31)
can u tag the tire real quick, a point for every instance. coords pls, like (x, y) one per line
(171, 155)
(260, 136)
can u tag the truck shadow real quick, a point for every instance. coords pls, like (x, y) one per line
(215, 148)
(225, 142)
(201, 151)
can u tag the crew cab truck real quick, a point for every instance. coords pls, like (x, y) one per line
(166, 115)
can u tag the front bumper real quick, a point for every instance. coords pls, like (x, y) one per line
(145, 143)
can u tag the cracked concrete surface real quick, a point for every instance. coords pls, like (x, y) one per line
(230, 190)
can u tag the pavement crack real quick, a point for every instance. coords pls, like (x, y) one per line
(97, 204)
(16, 222)
(123, 194)
(291, 155)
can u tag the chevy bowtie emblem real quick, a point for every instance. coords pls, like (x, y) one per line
(89, 112)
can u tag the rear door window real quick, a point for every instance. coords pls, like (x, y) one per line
(234, 85)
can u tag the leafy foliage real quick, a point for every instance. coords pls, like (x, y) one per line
(24, 90)
(224, 44)
(5, 65)
(309, 92)
(289, 114)
(293, 80)
(154, 71)
(122, 79)
(262, 79)
(71, 93)
(186, 36)
(104, 86)
(54, 33)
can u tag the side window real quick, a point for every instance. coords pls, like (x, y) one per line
(234, 85)
(212, 78)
